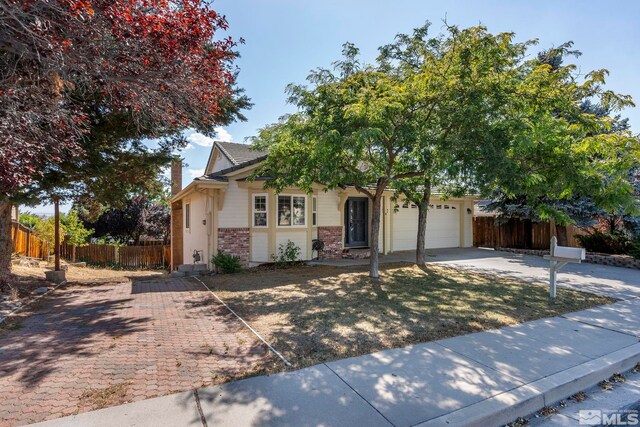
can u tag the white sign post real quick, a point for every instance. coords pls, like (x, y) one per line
(558, 258)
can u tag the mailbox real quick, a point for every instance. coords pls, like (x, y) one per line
(559, 257)
(569, 253)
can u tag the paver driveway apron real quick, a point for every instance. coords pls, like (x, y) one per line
(138, 340)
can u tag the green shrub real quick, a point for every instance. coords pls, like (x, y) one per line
(616, 242)
(227, 263)
(288, 253)
(635, 250)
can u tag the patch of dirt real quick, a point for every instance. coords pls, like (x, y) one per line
(104, 398)
(579, 397)
(519, 422)
(617, 378)
(548, 411)
(605, 385)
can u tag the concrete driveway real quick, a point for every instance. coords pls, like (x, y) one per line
(617, 282)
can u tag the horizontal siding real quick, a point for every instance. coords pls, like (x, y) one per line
(235, 212)
(468, 224)
(328, 209)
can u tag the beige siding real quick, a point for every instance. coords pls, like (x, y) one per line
(197, 236)
(297, 237)
(259, 247)
(468, 224)
(235, 212)
(328, 209)
(381, 229)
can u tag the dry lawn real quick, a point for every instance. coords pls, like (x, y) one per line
(86, 275)
(316, 314)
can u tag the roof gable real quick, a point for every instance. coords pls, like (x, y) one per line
(239, 153)
(225, 155)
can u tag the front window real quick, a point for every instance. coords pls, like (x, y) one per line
(314, 211)
(187, 216)
(291, 211)
(260, 210)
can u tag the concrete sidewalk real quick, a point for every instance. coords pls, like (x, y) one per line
(487, 378)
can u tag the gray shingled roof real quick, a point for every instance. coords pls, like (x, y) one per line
(239, 153)
(222, 175)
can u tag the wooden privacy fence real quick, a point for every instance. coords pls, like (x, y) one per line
(517, 233)
(152, 256)
(26, 243)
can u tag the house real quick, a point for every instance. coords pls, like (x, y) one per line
(223, 211)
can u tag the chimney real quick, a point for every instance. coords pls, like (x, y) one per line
(176, 175)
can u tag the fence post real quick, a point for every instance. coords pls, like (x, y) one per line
(117, 254)
(28, 250)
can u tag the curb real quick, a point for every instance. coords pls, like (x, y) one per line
(505, 407)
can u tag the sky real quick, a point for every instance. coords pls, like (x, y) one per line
(285, 39)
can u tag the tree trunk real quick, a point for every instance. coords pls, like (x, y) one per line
(375, 233)
(423, 210)
(561, 235)
(6, 245)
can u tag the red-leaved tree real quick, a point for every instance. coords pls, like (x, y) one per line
(83, 82)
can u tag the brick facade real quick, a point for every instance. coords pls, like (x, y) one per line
(614, 260)
(176, 176)
(176, 234)
(332, 239)
(234, 241)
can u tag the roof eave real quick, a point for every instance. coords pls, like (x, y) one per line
(197, 185)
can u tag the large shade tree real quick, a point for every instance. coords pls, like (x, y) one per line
(84, 83)
(355, 126)
(569, 157)
(589, 165)
(465, 80)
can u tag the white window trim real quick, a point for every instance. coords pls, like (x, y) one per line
(253, 209)
(314, 213)
(306, 201)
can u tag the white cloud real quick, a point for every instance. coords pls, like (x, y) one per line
(204, 141)
(188, 147)
(223, 135)
(196, 172)
(200, 139)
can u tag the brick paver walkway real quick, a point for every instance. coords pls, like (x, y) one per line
(103, 345)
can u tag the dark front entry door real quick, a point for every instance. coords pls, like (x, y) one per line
(356, 213)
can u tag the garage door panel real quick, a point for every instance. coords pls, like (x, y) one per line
(443, 227)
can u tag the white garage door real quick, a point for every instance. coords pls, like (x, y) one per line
(443, 226)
